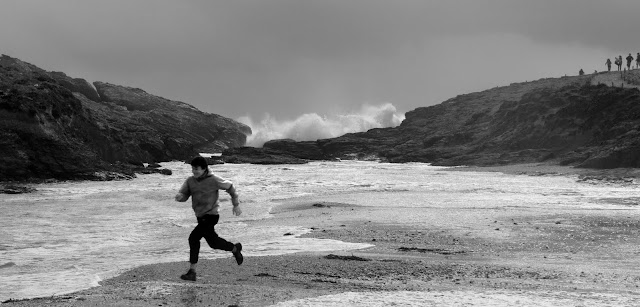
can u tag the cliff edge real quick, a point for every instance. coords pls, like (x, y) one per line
(55, 126)
(573, 121)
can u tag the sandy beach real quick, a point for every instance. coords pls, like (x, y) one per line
(465, 256)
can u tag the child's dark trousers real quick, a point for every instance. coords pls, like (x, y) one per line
(206, 230)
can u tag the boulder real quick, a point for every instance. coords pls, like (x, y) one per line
(16, 189)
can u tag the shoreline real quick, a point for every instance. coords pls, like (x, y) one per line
(546, 169)
(497, 254)
(531, 169)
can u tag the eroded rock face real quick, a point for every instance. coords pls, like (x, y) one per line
(563, 120)
(162, 129)
(76, 85)
(569, 122)
(54, 126)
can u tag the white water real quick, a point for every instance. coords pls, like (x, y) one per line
(311, 126)
(68, 236)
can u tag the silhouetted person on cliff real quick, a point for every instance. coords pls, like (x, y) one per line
(203, 188)
(638, 60)
(620, 63)
(581, 72)
(608, 62)
(629, 60)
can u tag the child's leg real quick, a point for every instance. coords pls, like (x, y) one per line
(194, 241)
(194, 249)
(217, 242)
(212, 237)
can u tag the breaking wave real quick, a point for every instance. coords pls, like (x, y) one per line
(311, 126)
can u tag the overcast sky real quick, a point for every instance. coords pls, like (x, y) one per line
(287, 58)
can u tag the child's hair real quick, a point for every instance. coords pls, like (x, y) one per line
(199, 161)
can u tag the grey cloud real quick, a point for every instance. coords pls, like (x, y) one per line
(288, 56)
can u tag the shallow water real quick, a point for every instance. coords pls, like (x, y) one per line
(68, 236)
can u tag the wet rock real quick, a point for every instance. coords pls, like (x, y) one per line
(253, 155)
(432, 250)
(352, 258)
(16, 189)
(305, 150)
(109, 176)
(166, 171)
(214, 161)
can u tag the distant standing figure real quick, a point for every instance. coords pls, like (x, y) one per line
(581, 72)
(638, 60)
(629, 60)
(608, 62)
(618, 63)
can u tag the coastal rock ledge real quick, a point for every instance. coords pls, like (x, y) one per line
(55, 126)
(571, 121)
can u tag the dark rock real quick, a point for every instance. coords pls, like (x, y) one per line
(563, 120)
(304, 150)
(133, 168)
(259, 156)
(431, 250)
(163, 129)
(154, 165)
(107, 176)
(54, 126)
(282, 151)
(214, 161)
(16, 189)
(75, 85)
(351, 258)
(166, 171)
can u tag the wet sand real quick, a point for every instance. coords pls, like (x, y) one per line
(472, 256)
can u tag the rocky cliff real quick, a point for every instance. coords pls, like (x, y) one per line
(55, 126)
(568, 120)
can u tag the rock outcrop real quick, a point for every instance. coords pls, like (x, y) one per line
(566, 120)
(260, 156)
(54, 126)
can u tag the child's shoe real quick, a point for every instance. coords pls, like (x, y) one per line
(238, 253)
(191, 275)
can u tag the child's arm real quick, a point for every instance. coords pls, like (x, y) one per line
(229, 188)
(181, 197)
(234, 200)
(183, 194)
